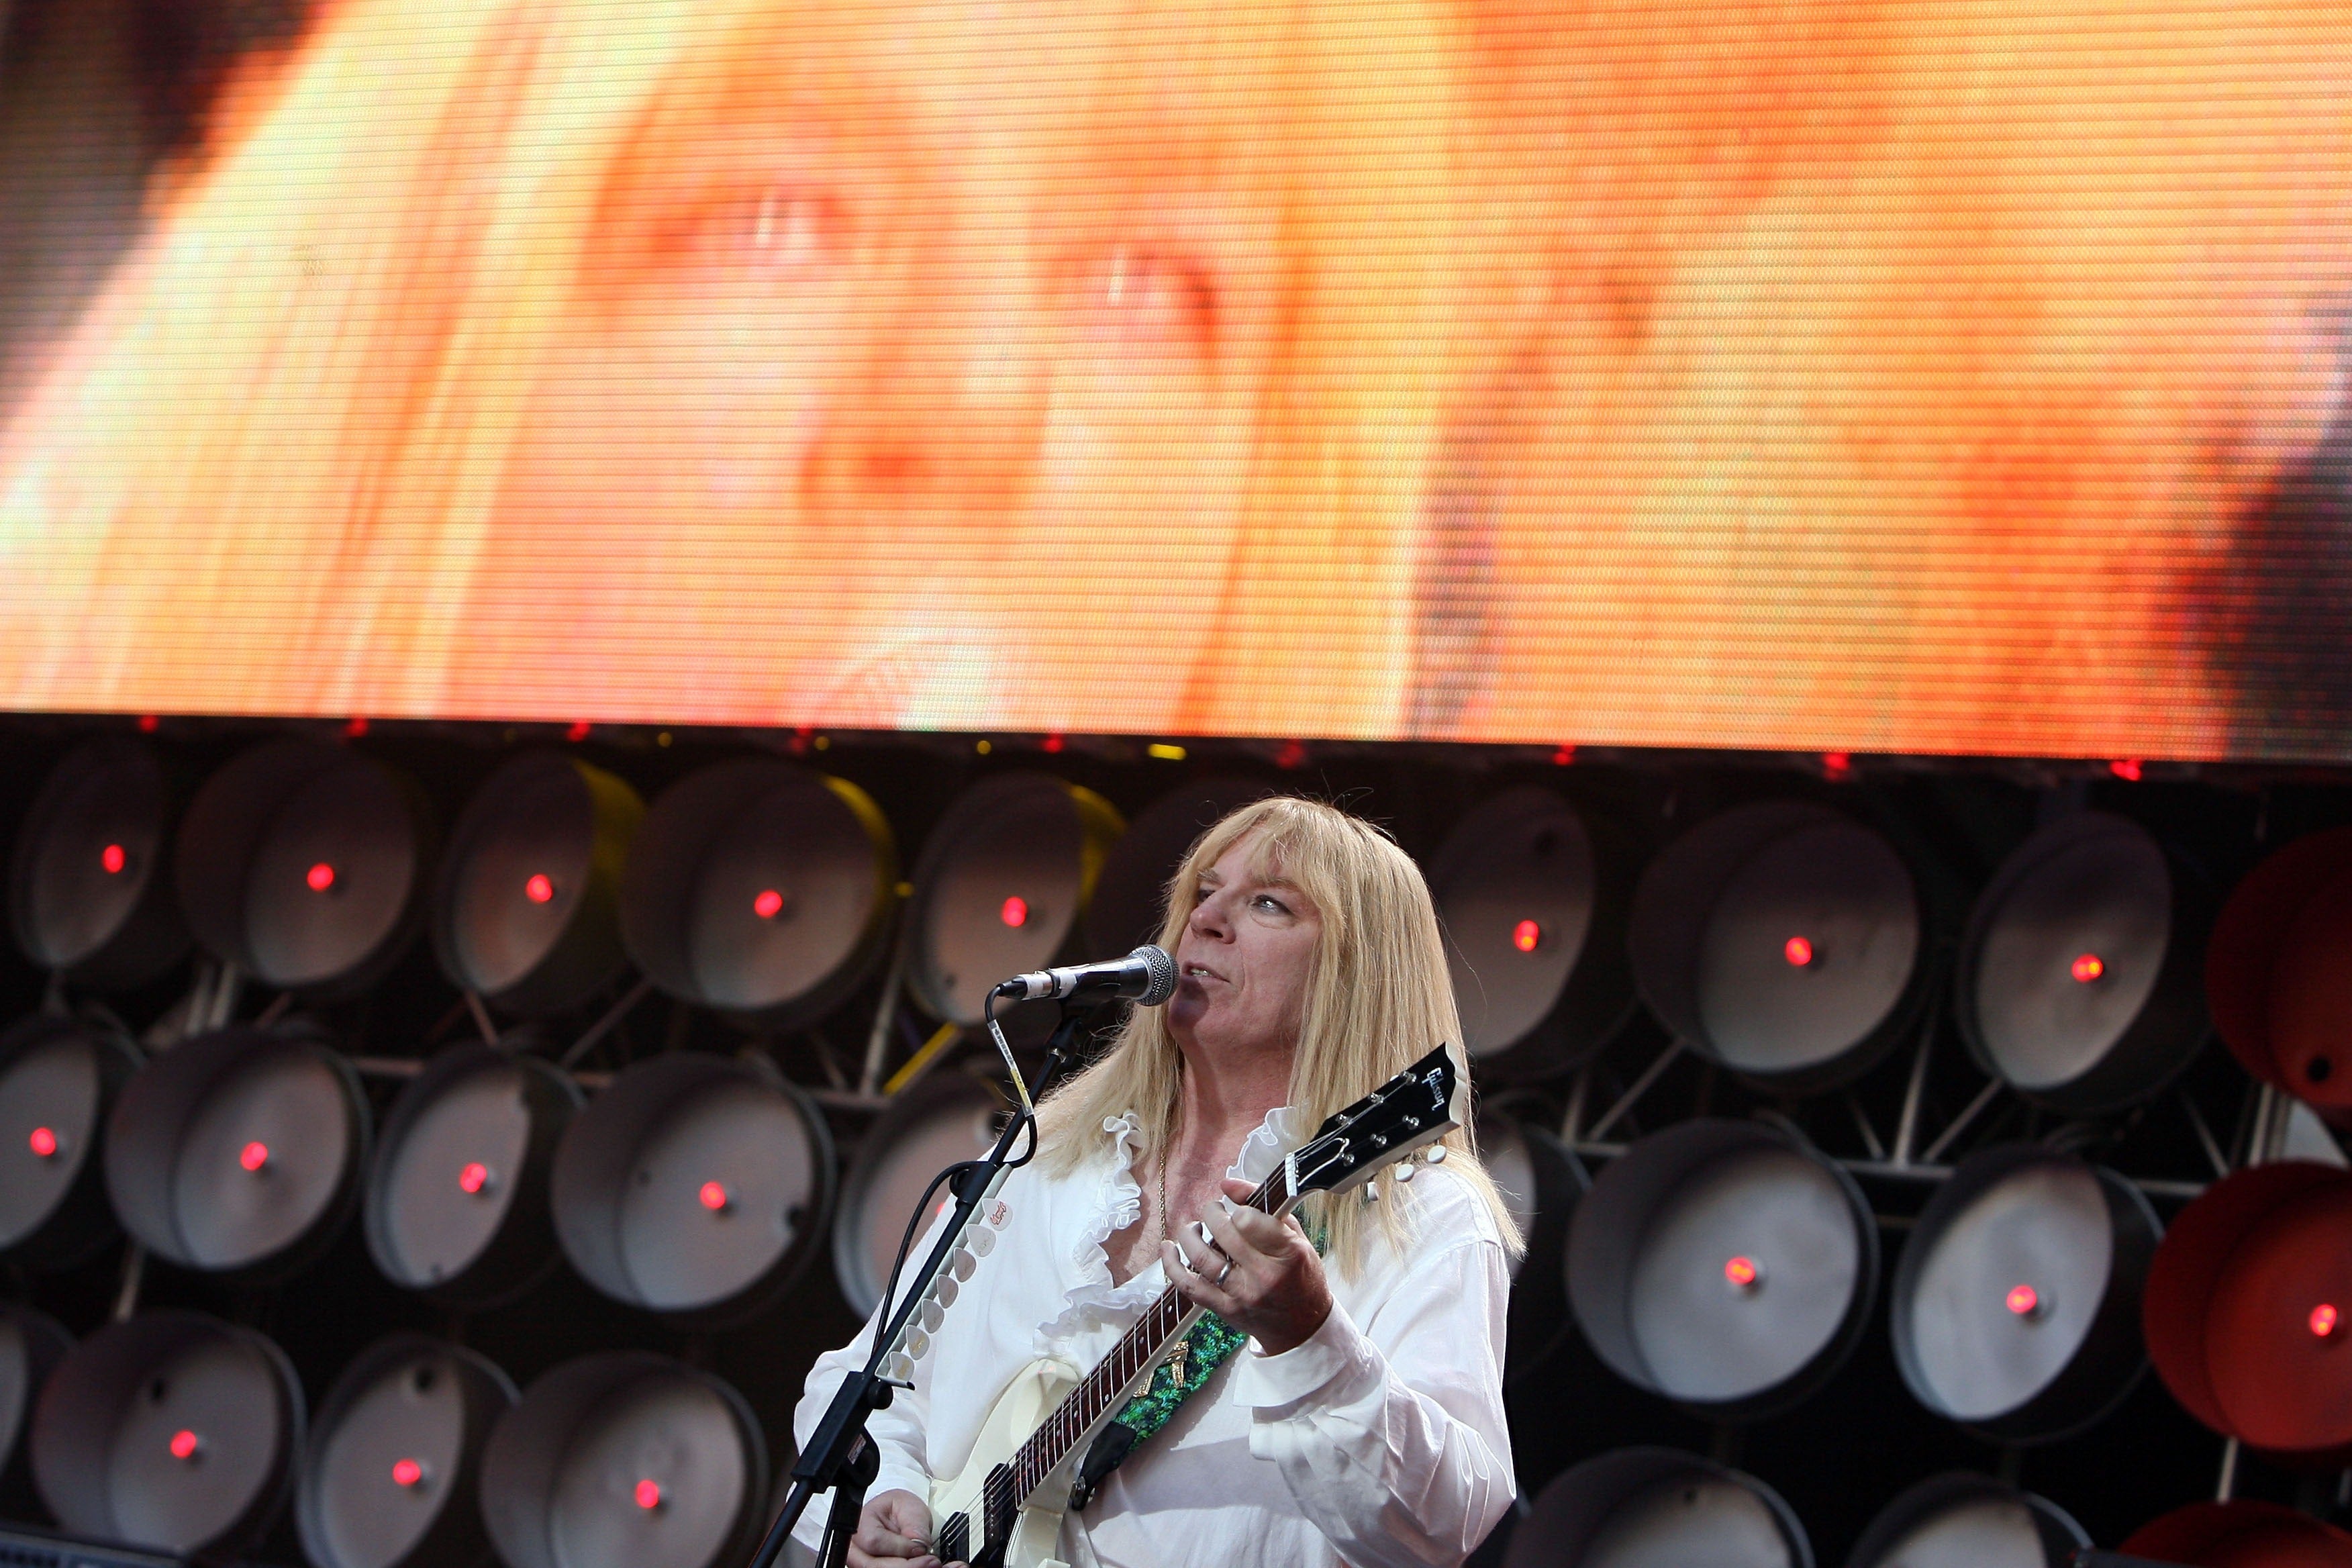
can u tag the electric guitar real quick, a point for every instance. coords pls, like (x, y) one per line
(1004, 1510)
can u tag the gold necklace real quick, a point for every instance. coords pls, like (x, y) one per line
(1164, 1231)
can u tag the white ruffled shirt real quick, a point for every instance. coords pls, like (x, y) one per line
(1378, 1441)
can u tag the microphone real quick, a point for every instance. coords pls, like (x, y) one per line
(1147, 976)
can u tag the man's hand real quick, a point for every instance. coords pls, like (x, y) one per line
(1274, 1292)
(894, 1532)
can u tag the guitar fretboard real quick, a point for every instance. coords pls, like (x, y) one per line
(1141, 1346)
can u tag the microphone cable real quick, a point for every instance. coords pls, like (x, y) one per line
(1004, 1049)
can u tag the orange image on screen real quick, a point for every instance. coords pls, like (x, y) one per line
(921, 365)
(1926, 396)
(1943, 376)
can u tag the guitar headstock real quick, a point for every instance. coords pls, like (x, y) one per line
(1411, 1110)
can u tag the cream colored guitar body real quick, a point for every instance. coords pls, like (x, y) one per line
(1029, 1398)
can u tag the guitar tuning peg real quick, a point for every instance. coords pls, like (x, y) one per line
(1371, 1192)
(1437, 1154)
(1405, 1172)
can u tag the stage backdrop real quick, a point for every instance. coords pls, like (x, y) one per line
(1925, 375)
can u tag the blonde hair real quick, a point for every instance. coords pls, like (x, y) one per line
(270, 470)
(1379, 999)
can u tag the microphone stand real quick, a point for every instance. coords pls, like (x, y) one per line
(840, 1457)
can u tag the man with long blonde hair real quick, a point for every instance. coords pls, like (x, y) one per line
(1363, 1420)
(721, 361)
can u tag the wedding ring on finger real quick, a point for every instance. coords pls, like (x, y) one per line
(1227, 1270)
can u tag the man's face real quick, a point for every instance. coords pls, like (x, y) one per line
(909, 340)
(1245, 959)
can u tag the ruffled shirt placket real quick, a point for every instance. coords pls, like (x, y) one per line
(1096, 1303)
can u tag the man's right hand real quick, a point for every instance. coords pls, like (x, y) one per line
(894, 1532)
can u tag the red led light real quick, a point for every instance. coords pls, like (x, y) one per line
(2088, 967)
(1016, 911)
(2023, 1299)
(1563, 757)
(43, 1141)
(714, 1197)
(2126, 768)
(1054, 744)
(148, 723)
(1797, 951)
(1527, 936)
(539, 888)
(1742, 1272)
(254, 1155)
(113, 859)
(184, 1444)
(578, 730)
(406, 1472)
(768, 903)
(2325, 1320)
(320, 877)
(648, 1494)
(473, 1177)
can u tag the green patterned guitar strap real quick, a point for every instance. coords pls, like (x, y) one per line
(1189, 1364)
(1205, 1347)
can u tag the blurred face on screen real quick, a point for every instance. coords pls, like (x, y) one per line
(1965, 375)
(921, 364)
(1919, 373)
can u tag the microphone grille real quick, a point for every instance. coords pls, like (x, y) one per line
(1163, 974)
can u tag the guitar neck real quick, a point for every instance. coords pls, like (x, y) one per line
(1141, 1346)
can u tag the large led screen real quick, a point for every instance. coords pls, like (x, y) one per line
(1918, 375)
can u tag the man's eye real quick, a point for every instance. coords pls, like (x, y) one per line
(787, 227)
(1148, 295)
